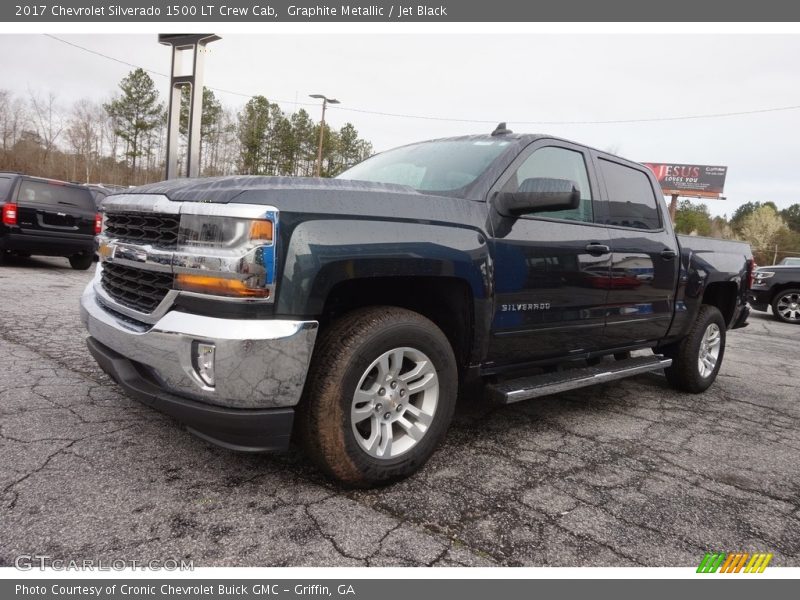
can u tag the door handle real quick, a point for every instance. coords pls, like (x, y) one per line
(596, 249)
(668, 254)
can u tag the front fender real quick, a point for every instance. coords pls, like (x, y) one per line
(323, 252)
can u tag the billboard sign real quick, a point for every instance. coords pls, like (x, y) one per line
(689, 180)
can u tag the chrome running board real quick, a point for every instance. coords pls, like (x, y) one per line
(524, 388)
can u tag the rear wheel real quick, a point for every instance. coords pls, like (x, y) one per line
(786, 306)
(381, 393)
(697, 358)
(81, 262)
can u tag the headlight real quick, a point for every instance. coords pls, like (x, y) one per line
(764, 275)
(225, 256)
(222, 233)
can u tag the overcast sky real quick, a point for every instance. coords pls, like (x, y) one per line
(514, 78)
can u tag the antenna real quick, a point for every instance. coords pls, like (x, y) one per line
(501, 129)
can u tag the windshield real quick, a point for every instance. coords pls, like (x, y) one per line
(791, 261)
(444, 166)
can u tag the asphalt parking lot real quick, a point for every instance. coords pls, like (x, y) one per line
(630, 473)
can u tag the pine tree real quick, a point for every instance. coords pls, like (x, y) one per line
(136, 112)
(252, 131)
(209, 122)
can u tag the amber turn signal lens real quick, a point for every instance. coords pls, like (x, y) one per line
(217, 285)
(261, 230)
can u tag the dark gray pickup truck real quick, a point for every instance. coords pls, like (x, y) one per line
(350, 311)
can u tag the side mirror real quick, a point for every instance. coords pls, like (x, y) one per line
(539, 194)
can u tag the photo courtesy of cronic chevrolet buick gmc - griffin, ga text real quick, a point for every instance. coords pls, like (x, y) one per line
(346, 313)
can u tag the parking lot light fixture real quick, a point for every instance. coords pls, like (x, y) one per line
(325, 102)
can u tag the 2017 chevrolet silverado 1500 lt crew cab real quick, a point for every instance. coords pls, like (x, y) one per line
(351, 310)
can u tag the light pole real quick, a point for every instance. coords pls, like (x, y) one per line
(325, 102)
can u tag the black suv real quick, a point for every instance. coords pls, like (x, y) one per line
(777, 286)
(48, 218)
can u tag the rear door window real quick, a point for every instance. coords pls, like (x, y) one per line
(42, 193)
(631, 199)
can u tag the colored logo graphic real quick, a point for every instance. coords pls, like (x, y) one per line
(739, 562)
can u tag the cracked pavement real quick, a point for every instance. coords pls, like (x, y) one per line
(628, 473)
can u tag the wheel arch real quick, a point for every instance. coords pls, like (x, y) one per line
(447, 301)
(722, 295)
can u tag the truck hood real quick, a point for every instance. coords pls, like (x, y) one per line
(265, 190)
(332, 197)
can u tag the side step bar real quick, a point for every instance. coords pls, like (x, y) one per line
(524, 388)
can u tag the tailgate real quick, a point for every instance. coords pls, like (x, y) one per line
(53, 208)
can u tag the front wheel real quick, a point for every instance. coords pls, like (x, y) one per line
(380, 396)
(697, 358)
(786, 306)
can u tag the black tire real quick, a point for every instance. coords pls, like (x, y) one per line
(343, 355)
(3, 256)
(684, 374)
(792, 295)
(81, 262)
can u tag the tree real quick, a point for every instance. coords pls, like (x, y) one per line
(137, 111)
(225, 154)
(84, 129)
(787, 243)
(761, 229)
(252, 130)
(211, 113)
(720, 228)
(13, 119)
(330, 141)
(47, 121)
(791, 216)
(285, 146)
(745, 210)
(123, 139)
(351, 149)
(692, 218)
(305, 143)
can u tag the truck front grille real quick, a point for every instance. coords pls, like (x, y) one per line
(135, 288)
(150, 228)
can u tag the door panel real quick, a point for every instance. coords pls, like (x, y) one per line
(644, 255)
(642, 291)
(550, 293)
(550, 290)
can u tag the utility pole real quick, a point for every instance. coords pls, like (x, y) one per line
(673, 207)
(325, 102)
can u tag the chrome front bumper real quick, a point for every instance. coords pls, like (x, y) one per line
(258, 363)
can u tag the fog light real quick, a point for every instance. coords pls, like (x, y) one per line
(204, 362)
